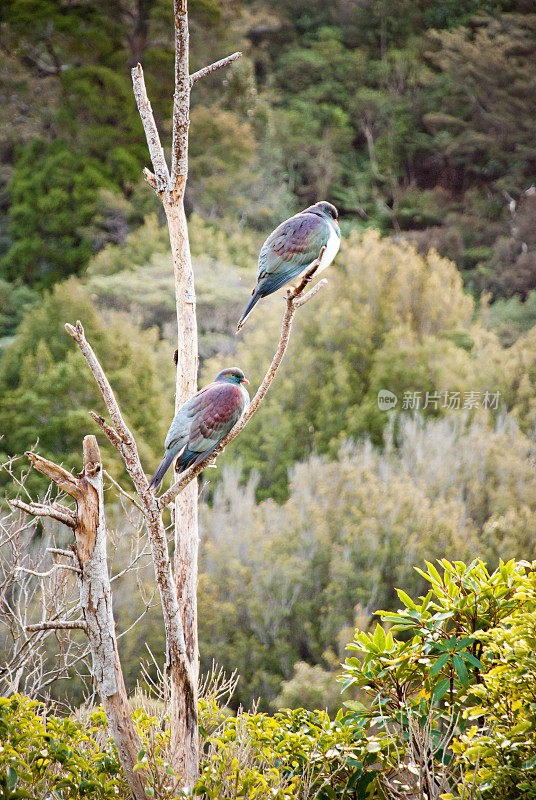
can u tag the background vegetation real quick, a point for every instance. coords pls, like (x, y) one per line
(418, 120)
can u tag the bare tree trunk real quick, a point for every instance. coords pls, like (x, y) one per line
(96, 601)
(97, 621)
(184, 724)
(170, 189)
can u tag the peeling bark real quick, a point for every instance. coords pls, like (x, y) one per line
(95, 600)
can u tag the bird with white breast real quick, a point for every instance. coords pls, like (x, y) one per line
(292, 250)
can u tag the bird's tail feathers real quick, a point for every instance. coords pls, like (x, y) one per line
(249, 308)
(163, 467)
(189, 458)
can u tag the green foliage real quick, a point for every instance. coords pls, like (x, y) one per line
(101, 96)
(42, 755)
(448, 681)
(381, 323)
(423, 122)
(511, 317)
(221, 158)
(281, 584)
(498, 748)
(53, 198)
(420, 683)
(14, 299)
(295, 753)
(310, 687)
(490, 133)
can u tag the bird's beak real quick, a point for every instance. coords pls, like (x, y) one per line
(245, 380)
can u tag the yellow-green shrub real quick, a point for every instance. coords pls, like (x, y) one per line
(43, 756)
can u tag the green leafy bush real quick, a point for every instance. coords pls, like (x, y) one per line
(423, 682)
(295, 753)
(43, 756)
(498, 749)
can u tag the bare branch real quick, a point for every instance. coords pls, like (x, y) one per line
(57, 474)
(161, 172)
(121, 429)
(57, 551)
(109, 432)
(149, 178)
(62, 514)
(223, 62)
(301, 301)
(60, 624)
(48, 572)
(294, 301)
(151, 511)
(122, 491)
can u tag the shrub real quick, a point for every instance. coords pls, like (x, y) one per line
(43, 756)
(498, 749)
(421, 682)
(294, 754)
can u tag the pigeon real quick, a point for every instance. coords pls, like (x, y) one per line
(293, 248)
(202, 422)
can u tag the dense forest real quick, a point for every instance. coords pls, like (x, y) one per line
(417, 119)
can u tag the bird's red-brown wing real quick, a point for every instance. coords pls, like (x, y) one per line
(215, 410)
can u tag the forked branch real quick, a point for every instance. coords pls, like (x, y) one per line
(124, 441)
(161, 181)
(161, 172)
(59, 513)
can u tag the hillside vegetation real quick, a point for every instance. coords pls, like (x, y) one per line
(418, 120)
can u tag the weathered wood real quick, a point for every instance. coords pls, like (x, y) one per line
(161, 172)
(184, 723)
(181, 99)
(184, 726)
(183, 675)
(223, 62)
(95, 596)
(96, 603)
(58, 475)
(59, 624)
(61, 514)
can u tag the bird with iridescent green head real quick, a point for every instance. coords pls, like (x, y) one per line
(203, 421)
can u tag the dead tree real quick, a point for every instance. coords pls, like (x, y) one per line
(170, 189)
(177, 586)
(89, 562)
(35, 583)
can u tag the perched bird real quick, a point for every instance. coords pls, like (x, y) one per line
(201, 423)
(293, 248)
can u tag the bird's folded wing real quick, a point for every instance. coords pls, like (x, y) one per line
(179, 430)
(293, 245)
(217, 409)
(177, 436)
